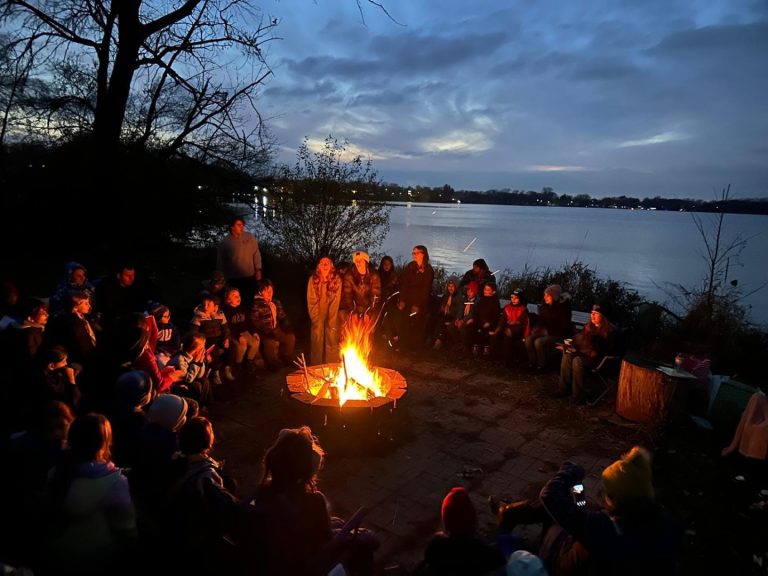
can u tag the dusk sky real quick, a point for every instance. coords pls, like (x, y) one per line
(643, 98)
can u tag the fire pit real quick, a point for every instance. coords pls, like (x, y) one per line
(349, 400)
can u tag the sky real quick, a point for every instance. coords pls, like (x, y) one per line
(642, 98)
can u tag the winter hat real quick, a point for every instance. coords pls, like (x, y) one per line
(553, 290)
(523, 563)
(168, 411)
(596, 308)
(70, 267)
(458, 513)
(360, 254)
(155, 308)
(473, 286)
(133, 389)
(628, 481)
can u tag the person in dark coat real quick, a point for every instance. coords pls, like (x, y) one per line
(415, 295)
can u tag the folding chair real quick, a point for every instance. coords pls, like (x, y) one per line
(607, 371)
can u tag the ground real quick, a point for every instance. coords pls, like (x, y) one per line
(498, 432)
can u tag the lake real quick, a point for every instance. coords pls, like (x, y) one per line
(648, 250)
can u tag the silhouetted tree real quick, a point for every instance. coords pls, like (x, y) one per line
(322, 205)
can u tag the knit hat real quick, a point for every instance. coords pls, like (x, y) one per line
(133, 389)
(458, 513)
(473, 286)
(523, 563)
(360, 254)
(628, 481)
(596, 308)
(168, 411)
(553, 290)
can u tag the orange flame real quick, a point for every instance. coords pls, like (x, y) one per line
(352, 379)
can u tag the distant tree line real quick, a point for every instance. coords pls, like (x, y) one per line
(548, 197)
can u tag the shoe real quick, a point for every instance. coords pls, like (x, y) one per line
(216, 378)
(438, 344)
(228, 374)
(486, 351)
(476, 350)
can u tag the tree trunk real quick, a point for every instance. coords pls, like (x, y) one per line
(110, 110)
(647, 395)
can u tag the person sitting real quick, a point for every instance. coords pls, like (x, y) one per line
(270, 322)
(245, 343)
(515, 326)
(487, 318)
(90, 505)
(480, 273)
(631, 534)
(203, 511)
(75, 280)
(73, 330)
(552, 325)
(191, 361)
(212, 323)
(590, 345)
(451, 305)
(168, 336)
(457, 550)
(293, 531)
(465, 323)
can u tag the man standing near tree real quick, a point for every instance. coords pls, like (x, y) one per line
(239, 258)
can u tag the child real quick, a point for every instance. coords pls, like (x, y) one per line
(515, 325)
(209, 321)
(487, 314)
(168, 337)
(191, 361)
(245, 342)
(450, 310)
(271, 323)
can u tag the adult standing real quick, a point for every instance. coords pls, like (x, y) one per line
(361, 288)
(415, 292)
(239, 257)
(323, 296)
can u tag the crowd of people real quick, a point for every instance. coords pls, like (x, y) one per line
(105, 402)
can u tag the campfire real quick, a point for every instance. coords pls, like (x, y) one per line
(351, 383)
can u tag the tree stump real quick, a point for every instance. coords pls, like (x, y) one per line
(648, 395)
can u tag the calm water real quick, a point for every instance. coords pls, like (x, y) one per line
(648, 250)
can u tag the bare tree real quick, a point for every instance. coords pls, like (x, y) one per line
(323, 205)
(193, 65)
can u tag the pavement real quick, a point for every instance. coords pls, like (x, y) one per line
(467, 422)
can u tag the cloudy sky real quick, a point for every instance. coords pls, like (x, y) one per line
(644, 98)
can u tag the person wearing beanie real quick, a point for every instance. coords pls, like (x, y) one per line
(552, 325)
(523, 563)
(158, 443)
(479, 273)
(591, 344)
(457, 550)
(360, 289)
(631, 536)
(168, 411)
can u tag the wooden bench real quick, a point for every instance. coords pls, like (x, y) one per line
(578, 318)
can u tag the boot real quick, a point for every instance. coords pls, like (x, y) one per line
(476, 350)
